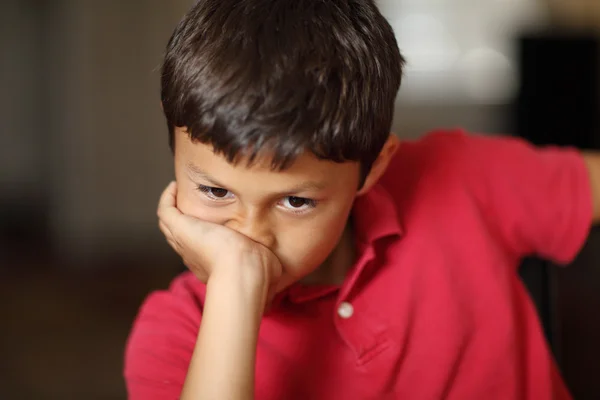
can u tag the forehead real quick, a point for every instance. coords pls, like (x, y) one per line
(199, 158)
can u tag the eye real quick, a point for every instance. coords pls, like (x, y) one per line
(215, 193)
(297, 204)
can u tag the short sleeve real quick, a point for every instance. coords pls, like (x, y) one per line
(536, 199)
(161, 344)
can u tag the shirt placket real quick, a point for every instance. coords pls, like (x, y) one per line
(361, 332)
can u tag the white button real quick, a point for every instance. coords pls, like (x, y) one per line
(345, 310)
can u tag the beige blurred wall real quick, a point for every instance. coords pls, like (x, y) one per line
(575, 13)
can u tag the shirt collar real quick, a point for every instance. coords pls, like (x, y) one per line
(374, 216)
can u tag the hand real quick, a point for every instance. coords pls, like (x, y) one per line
(209, 249)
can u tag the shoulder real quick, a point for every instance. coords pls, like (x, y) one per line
(444, 148)
(452, 156)
(162, 339)
(451, 168)
(434, 159)
(468, 159)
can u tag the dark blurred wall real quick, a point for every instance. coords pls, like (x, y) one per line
(22, 159)
(81, 132)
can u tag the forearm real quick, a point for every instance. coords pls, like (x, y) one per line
(222, 366)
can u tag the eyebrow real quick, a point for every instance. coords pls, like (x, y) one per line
(301, 187)
(199, 173)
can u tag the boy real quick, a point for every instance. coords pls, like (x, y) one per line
(327, 260)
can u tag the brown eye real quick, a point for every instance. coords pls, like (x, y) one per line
(215, 193)
(296, 202)
(297, 205)
(218, 192)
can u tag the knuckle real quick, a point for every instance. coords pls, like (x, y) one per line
(179, 244)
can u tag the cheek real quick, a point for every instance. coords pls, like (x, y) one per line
(190, 203)
(303, 248)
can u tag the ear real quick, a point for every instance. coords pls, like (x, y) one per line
(381, 163)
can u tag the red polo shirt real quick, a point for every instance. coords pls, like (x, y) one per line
(433, 308)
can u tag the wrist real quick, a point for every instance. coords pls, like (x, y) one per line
(224, 358)
(237, 287)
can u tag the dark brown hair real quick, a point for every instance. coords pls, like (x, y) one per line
(283, 76)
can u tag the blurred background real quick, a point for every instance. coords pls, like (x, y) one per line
(84, 157)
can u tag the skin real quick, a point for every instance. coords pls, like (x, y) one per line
(257, 202)
(300, 214)
(248, 232)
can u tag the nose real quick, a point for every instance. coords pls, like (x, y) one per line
(255, 227)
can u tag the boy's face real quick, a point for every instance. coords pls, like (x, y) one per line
(299, 213)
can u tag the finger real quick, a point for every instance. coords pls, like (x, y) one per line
(174, 241)
(167, 204)
(169, 237)
(168, 197)
(173, 245)
(198, 272)
(165, 230)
